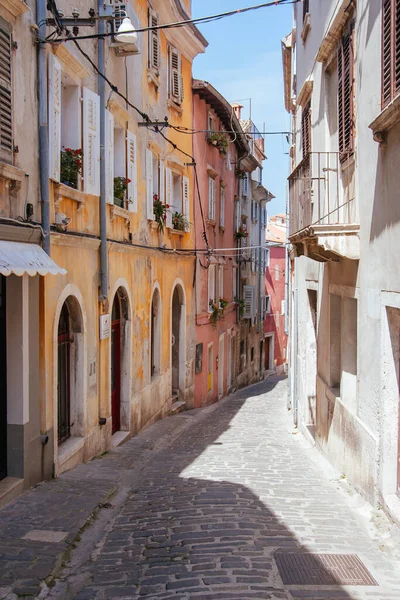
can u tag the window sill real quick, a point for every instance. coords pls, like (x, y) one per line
(222, 228)
(210, 222)
(117, 211)
(306, 27)
(15, 7)
(177, 232)
(174, 106)
(153, 77)
(65, 191)
(12, 174)
(388, 117)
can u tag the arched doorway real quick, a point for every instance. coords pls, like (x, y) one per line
(155, 336)
(116, 365)
(64, 375)
(176, 320)
(178, 337)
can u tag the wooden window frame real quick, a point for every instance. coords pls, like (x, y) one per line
(390, 57)
(306, 129)
(6, 89)
(345, 56)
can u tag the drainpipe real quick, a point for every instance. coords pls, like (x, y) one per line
(259, 272)
(288, 306)
(103, 209)
(41, 10)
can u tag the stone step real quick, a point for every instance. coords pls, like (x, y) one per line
(177, 406)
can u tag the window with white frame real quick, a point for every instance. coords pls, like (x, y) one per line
(267, 305)
(211, 287)
(222, 205)
(267, 257)
(77, 125)
(175, 81)
(178, 201)
(120, 165)
(276, 273)
(6, 104)
(154, 43)
(210, 124)
(211, 199)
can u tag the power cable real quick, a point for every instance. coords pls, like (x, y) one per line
(196, 21)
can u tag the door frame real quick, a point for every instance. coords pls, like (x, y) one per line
(116, 362)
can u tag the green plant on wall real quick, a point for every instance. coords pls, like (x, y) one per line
(240, 304)
(160, 213)
(180, 222)
(220, 140)
(120, 187)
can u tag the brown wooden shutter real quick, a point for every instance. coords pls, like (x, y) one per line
(306, 129)
(346, 92)
(390, 50)
(6, 140)
(154, 41)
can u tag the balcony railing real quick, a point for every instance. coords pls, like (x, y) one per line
(321, 191)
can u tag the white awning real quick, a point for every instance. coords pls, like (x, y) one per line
(19, 258)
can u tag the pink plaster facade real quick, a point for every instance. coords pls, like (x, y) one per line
(215, 374)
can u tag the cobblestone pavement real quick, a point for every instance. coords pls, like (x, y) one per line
(196, 507)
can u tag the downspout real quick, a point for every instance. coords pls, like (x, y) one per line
(288, 306)
(294, 355)
(259, 274)
(41, 10)
(103, 209)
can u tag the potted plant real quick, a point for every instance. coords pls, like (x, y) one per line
(241, 233)
(120, 187)
(240, 174)
(223, 303)
(220, 140)
(214, 316)
(180, 222)
(70, 166)
(160, 213)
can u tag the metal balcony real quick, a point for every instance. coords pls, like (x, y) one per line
(323, 221)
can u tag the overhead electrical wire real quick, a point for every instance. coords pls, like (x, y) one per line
(198, 20)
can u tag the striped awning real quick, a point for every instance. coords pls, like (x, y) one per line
(19, 258)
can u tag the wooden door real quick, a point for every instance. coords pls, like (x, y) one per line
(116, 366)
(3, 380)
(64, 376)
(267, 351)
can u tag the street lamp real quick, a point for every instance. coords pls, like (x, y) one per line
(126, 33)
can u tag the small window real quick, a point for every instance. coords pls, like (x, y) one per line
(177, 193)
(234, 282)
(6, 99)
(222, 206)
(252, 354)
(276, 273)
(211, 199)
(267, 305)
(199, 359)
(346, 93)
(175, 75)
(306, 9)
(211, 287)
(221, 281)
(156, 175)
(119, 167)
(306, 129)
(211, 124)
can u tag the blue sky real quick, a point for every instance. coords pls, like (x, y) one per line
(243, 60)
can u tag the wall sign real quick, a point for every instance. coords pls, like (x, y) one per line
(105, 323)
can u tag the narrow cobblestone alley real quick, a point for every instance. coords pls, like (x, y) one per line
(197, 506)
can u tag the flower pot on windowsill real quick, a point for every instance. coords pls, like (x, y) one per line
(70, 166)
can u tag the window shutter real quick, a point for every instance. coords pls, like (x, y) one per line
(306, 129)
(186, 198)
(246, 185)
(54, 117)
(345, 92)
(6, 138)
(154, 42)
(221, 281)
(109, 157)
(211, 199)
(248, 297)
(149, 185)
(390, 50)
(175, 75)
(162, 182)
(131, 152)
(168, 196)
(91, 142)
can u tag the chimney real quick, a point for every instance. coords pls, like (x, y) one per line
(237, 109)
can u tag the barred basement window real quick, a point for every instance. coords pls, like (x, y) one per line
(390, 50)
(6, 140)
(306, 129)
(346, 92)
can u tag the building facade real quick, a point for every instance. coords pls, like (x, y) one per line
(340, 87)
(275, 290)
